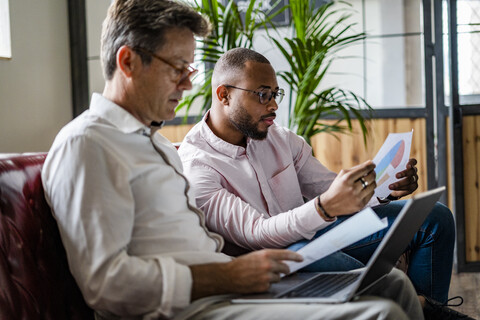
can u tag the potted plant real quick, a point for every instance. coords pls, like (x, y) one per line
(231, 28)
(319, 33)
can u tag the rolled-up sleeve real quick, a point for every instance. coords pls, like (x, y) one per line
(241, 223)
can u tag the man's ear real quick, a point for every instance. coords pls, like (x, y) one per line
(222, 94)
(127, 60)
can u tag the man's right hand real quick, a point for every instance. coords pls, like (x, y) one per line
(250, 273)
(347, 194)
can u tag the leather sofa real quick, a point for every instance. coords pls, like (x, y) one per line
(35, 282)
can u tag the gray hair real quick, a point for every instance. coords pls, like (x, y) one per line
(142, 24)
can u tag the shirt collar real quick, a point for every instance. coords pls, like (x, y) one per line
(116, 115)
(230, 150)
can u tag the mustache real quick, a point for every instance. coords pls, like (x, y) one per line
(273, 114)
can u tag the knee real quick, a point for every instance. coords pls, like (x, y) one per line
(441, 221)
(390, 310)
(399, 280)
(396, 285)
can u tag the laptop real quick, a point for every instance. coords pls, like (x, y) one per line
(339, 287)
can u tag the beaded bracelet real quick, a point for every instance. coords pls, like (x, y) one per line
(322, 212)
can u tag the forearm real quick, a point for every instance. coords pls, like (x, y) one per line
(250, 273)
(204, 284)
(247, 227)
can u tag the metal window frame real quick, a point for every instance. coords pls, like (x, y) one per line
(456, 112)
(77, 25)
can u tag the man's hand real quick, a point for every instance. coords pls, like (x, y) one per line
(350, 191)
(408, 184)
(250, 273)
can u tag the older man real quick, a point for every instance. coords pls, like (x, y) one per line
(136, 244)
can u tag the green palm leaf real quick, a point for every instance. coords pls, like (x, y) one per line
(320, 34)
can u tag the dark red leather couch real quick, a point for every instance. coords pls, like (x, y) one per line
(35, 282)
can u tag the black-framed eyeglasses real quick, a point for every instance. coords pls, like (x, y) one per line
(264, 95)
(181, 73)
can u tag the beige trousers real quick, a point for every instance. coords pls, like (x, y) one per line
(391, 298)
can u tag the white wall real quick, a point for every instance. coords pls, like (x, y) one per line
(96, 11)
(35, 86)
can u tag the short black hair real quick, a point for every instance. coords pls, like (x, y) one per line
(235, 60)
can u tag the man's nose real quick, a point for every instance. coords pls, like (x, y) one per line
(272, 105)
(185, 84)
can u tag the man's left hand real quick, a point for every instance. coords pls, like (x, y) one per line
(408, 182)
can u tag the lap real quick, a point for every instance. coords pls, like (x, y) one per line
(376, 303)
(364, 308)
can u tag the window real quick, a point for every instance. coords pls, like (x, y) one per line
(468, 51)
(387, 69)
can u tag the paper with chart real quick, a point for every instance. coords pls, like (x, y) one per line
(343, 235)
(391, 159)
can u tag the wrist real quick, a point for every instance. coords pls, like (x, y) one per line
(322, 212)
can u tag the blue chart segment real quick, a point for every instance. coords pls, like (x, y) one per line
(392, 158)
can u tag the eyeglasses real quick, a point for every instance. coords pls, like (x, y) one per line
(181, 74)
(265, 95)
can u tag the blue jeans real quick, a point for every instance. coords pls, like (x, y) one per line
(431, 250)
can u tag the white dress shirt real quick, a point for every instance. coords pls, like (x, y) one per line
(123, 215)
(254, 196)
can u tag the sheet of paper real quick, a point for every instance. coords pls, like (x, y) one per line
(391, 159)
(359, 226)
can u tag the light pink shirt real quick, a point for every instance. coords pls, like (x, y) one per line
(254, 196)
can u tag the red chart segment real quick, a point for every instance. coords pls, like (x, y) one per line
(392, 158)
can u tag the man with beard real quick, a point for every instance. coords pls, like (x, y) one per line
(260, 186)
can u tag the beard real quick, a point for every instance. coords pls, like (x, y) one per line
(244, 123)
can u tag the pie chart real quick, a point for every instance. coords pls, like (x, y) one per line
(392, 158)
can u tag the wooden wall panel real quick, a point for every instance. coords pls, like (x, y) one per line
(176, 133)
(348, 150)
(471, 176)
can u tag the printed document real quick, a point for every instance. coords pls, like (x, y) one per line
(391, 158)
(343, 235)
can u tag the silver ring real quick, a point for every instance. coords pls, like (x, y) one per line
(364, 183)
(414, 178)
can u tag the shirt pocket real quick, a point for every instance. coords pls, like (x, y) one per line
(286, 188)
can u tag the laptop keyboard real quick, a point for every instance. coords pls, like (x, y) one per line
(321, 286)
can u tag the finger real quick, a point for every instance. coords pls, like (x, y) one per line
(362, 183)
(408, 183)
(406, 173)
(367, 192)
(283, 254)
(361, 170)
(410, 167)
(371, 177)
(414, 178)
(275, 277)
(367, 180)
(400, 184)
(412, 162)
(281, 268)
